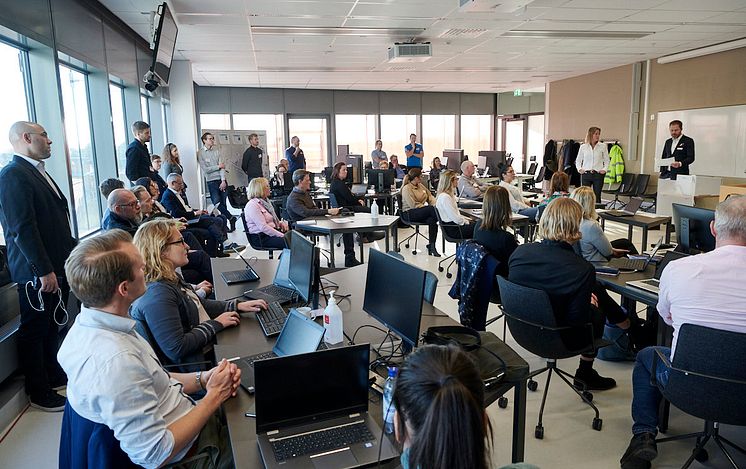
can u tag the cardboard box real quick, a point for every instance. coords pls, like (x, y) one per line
(727, 190)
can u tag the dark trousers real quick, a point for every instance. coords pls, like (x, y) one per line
(624, 243)
(427, 215)
(459, 231)
(214, 231)
(348, 241)
(594, 180)
(199, 267)
(608, 311)
(219, 197)
(38, 339)
(265, 241)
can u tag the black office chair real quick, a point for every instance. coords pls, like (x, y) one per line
(641, 185)
(431, 280)
(250, 239)
(450, 239)
(625, 188)
(416, 235)
(532, 168)
(537, 180)
(532, 324)
(707, 380)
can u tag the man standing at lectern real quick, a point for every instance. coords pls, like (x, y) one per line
(680, 148)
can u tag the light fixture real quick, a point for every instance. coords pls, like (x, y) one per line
(715, 48)
(565, 34)
(336, 31)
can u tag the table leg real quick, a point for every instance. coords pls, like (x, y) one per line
(519, 421)
(396, 235)
(388, 233)
(360, 238)
(668, 232)
(331, 251)
(644, 239)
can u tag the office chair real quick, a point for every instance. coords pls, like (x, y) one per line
(249, 238)
(641, 184)
(431, 280)
(707, 380)
(532, 324)
(625, 187)
(416, 235)
(450, 239)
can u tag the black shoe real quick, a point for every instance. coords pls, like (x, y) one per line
(592, 380)
(431, 251)
(375, 235)
(350, 261)
(49, 402)
(58, 384)
(641, 450)
(233, 224)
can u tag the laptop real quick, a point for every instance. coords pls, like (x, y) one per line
(281, 290)
(635, 265)
(300, 334)
(652, 285)
(359, 189)
(629, 210)
(312, 411)
(240, 276)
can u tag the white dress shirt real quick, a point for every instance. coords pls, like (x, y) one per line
(39, 165)
(114, 378)
(448, 209)
(593, 158)
(706, 289)
(181, 200)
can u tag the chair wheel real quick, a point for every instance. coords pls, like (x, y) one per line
(406, 245)
(597, 424)
(414, 253)
(588, 395)
(532, 385)
(539, 432)
(502, 402)
(701, 455)
(440, 269)
(449, 275)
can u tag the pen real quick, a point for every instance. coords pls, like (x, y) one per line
(233, 359)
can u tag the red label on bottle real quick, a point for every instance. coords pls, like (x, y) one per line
(326, 319)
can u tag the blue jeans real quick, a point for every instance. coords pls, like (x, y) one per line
(529, 212)
(219, 197)
(646, 397)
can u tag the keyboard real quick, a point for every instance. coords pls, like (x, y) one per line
(653, 282)
(281, 293)
(628, 264)
(261, 356)
(272, 319)
(320, 441)
(239, 276)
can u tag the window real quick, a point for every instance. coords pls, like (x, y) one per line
(312, 132)
(215, 121)
(438, 134)
(15, 106)
(165, 111)
(357, 131)
(116, 94)
(395, 132)
(145, 116)
(273, 124)
(80, 143)
(475, 135)
(536, 137)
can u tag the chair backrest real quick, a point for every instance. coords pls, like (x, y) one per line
(540, 177)
(250, 238)
(431, 280)
(444, 232)
(641, 183)
(628, 183)
(532, 324)
(708, 378)
(532, 169)
(333, 200)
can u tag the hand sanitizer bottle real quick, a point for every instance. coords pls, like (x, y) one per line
(333, 332)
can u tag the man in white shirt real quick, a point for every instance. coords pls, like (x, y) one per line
(707, 290)
(115, 378)
(593, 162)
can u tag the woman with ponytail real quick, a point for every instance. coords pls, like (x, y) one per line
(440, 417)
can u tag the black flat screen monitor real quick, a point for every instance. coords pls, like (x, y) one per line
(693, 228)
(393, 296)
(164, 42)
(303, 262)
(454, 159)
(381, 179)
(493, 159)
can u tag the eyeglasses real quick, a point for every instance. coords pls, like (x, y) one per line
(179, 241)
(131, 204)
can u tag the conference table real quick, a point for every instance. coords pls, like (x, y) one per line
(248, 339)
(645, 222)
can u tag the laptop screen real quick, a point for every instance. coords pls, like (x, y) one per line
(299, 335)
(634, 205)
(670, 256)
(312, 386)
(282, 274)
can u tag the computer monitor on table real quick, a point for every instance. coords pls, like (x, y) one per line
(693, 228)
(304, 267)
(355, 166)
(493, 159)
(393, 296)
(381, 179)
(454, 158)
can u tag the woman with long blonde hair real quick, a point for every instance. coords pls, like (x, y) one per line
(454, 223)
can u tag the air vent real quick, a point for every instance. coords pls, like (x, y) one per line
(409, 52)
(401, 68)
(463, 33)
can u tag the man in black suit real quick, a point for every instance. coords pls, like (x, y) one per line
(138, 156)
(36, 221)
(680, 148)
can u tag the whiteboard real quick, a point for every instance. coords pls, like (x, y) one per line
(232, 144)
(719, 135)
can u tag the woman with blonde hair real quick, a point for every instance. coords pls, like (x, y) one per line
(570, 282)
(171, 163)
(455, 224)
(179, 324)
(593, 161)
(491, 231)
(264, 227)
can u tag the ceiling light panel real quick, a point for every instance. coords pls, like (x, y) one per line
(342, 31)
(564, 34)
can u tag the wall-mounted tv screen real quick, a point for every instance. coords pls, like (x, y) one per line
(164, 43)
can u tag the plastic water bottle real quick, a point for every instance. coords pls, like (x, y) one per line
(374, 210)
(388, 394)
(333, 333)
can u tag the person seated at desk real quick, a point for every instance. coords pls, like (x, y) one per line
(491, 231)
(345, 198)
(707, 290)
(594, 246)
(439, 416)
(435, 169)
(300, 206)
(455, 224)
(383, 165)
(281, 183)
(114, 378)
(468, 186)
(558, 187)
(518, 203)
(265, 229)
(180, 325)
(394, 163)
(570, 282)
(418, 205)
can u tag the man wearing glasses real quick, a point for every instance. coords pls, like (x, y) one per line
(124, 212)
(36, 221)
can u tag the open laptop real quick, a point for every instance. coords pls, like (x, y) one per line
(240, 276)
(312, 411)
(652, 285)
(629, 210)
(281, 290)
(300, 334)
(359, 189)
(626, 264)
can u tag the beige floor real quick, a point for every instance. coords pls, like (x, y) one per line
(569, 441)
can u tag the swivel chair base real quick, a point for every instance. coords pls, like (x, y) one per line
(699, 453)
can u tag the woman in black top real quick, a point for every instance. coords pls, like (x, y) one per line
(343, 194)
(435, 169)
(491, 232)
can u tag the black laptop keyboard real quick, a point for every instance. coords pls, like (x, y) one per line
(261, 356)
(239, 276)
(628, 264)
(281, 293)
(321, 441)
(272, 319)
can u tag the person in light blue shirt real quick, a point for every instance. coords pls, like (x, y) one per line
(414, 151)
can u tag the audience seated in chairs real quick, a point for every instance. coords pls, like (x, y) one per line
(123, 212)
(435, 169)
(569, 280)
(265, 229)
(457, 225)
(491, 231)
(394, 164)
(518, 203)
(558, 187)
(281, 183)
(440, 418)
(418, 206)
(179, 324)
(346, 199)
(706, 290)
(468, 186)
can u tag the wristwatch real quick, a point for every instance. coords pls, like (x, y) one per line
(198, 377)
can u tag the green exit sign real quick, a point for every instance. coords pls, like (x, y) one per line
(518, 92)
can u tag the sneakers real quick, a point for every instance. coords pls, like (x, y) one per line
(222, 254)
(234, 246)
(49, 402)
(373, 236)
(59, 384)
(593, 381)
(641, 450)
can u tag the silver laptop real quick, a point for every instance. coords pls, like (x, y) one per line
(652, 285)
(312, 411)
(359, 189)
(281, 289)
(629, 210)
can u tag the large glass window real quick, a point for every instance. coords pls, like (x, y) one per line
(15, 106)
(358, 131)
(116, 94)
(273, 124)
(395, 130)
(165, 111)
(536, 137)
(313, 136)
(80, 143)
(215, 121)
(438, 134)
(475, 135)
(514, 143)
(145, 116)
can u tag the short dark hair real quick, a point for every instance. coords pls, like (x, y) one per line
(204, 136)
(676, 122)
(412, 134)
(144, 181)
(503, 168)
(108, 186)
(299, 175)
(139, 126)
(155, 156)
(379, 141)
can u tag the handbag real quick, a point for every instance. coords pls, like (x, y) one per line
(237, 196)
